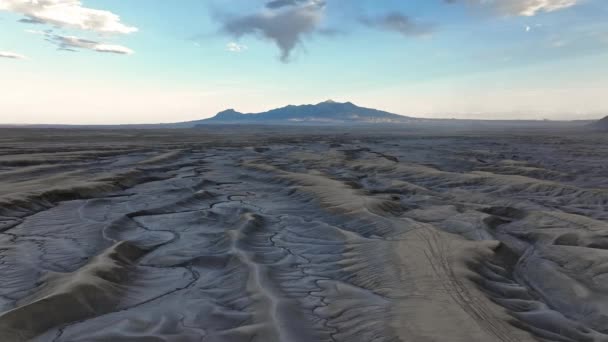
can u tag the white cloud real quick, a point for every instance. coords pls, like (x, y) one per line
(36, 32)
(530, 8)
(113, 48)
(235, 47)
(11, 55)
(72, 43)
(527, 8)
(67, 13)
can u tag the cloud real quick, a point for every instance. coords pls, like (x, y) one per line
(287, 22)
(282, 21)
(399, 23)
(235, 47)
(71, 43)
(40, 32)
(67, 13)
(11, 55)
(282, 3)
(530, 8)
(70, 13)
(526, 8)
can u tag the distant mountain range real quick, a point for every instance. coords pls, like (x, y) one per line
(328, 112)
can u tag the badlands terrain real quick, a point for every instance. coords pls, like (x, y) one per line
(257, 235)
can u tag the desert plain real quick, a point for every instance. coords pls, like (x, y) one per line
(260, 234)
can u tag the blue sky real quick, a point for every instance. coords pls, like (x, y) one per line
(137, 61)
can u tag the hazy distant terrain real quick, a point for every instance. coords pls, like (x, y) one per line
(601, 124)
(336, 114)
(284, 234)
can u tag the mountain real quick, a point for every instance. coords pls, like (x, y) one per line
(328, 112)
(601, 125)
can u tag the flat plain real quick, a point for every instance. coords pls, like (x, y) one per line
(260, 234)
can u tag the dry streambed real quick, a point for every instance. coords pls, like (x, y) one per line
(338, 237)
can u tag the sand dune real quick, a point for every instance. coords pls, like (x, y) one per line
(292, 236)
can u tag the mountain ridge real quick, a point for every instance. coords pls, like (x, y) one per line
(327, 112)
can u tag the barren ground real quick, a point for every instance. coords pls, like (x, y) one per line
(260, 234)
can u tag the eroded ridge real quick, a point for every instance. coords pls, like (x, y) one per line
(300, 237)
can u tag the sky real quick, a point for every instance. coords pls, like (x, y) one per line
(151, 61)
